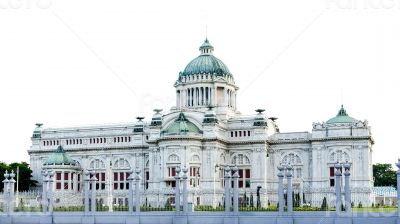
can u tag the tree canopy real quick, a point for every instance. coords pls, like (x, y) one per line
(384, 175)
(25, 180)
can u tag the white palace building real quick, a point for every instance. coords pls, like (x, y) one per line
(204, 132)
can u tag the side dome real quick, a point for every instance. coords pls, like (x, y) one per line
(181, 126)
(59, 157)
(206, 63)
(341, 117)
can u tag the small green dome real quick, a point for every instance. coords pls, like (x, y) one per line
(206, 63)
(181, 126)
(59, 157)
(341, 117)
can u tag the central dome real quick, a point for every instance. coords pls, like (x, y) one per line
(206, 63)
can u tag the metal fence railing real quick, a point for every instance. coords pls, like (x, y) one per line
(203, 208)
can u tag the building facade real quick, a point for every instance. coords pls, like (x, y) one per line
(205, 132)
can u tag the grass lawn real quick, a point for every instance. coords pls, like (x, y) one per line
(380, 209)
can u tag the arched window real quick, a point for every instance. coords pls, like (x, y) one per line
(241, 159)
(291, 158)
(194, 170)
(121, 164)
(173, 158)
(195, 158)
(339, 156)
(121, 169)
(99, 167)
(296, 162)
(172, 162)
(244, 170)
(97, 164)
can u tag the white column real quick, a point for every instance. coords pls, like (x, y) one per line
(235, 178)
(347, 192)
(69, 181)
(44, 191)
(86, 191)
(5, 191)
(338, 176)
(280, 188)
(93, 180)
(234, 100)
(289, 189)
(62, 181)
(177, 197)
(50, 192)
(12, 182)
(227, 178)
(183, 98)
(184, 191)
(137, 191)
(130, 192)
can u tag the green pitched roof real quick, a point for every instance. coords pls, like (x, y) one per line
(59, 157)
(341, 117)
(182, 125)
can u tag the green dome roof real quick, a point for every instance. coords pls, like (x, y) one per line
(181, 126)
(206, 63)
(59, 157)
(341, 117)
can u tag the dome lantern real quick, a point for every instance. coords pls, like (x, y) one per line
(206, 48)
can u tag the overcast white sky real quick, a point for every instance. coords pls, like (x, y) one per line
(77, 62)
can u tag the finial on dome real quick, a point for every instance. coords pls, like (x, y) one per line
(206, 48)
(342, 112)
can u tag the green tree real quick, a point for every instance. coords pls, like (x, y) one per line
(324, 205)
(25, 180)
(384, 175)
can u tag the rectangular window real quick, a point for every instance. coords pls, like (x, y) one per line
(247, 183)
(171, 171)
(58, 186)
(58, 176)
(65, 185)
(247, 173)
